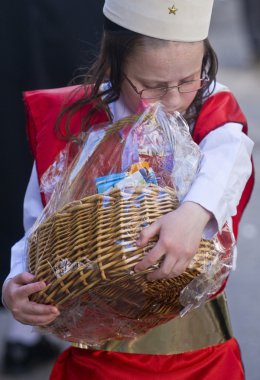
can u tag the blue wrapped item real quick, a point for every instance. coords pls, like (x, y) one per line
(106, 182)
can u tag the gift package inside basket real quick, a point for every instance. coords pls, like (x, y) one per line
(123, 177)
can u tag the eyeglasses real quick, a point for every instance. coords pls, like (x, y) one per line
(160, 92)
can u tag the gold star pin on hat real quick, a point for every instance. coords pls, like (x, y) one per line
(172, 10)
(171, 20)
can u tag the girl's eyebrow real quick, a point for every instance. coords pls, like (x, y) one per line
(191, 75)
(165, 83)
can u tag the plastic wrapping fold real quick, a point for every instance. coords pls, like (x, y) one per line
(123, 177)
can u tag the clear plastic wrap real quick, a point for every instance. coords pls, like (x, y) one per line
(124, 176)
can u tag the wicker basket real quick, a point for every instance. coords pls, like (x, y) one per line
(86, 253)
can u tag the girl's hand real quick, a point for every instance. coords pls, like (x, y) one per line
(16, 292)
(180, 232)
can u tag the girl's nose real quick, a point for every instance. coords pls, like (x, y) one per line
(172, 99)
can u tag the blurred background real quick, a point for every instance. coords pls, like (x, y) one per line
(43, 44)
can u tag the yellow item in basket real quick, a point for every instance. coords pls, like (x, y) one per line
(139, 165)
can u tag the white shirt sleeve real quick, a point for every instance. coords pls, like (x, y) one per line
(225, 168)
(32, 209)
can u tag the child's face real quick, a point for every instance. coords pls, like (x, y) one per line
(165, 65)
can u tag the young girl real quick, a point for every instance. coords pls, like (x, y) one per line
(152, 50)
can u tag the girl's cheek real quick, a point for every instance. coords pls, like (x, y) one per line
(189, 97)
(142, 105)
(131, 101)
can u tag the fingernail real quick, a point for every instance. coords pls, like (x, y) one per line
(55, 311)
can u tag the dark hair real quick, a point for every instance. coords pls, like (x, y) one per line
(116, 47)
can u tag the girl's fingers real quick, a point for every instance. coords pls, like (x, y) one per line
(165, 270)
(151, 258)
(169, 269)
(36, 314)
(38, 320)
(148, 233)
(28, 289)
(24, 278)
(34, 308)
(15, 293)
(180, 267)
(18, 290)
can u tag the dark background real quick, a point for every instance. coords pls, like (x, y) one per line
(43, 43)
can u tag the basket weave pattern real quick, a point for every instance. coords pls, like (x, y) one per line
(87, 251)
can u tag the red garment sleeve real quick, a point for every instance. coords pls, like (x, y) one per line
(43, 107)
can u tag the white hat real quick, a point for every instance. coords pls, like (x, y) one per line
(175, 20)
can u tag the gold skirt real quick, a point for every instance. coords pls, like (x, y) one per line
(205, 326)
